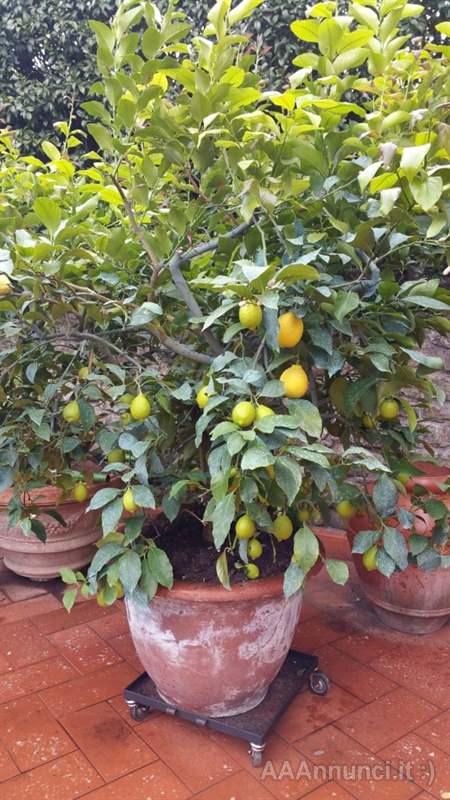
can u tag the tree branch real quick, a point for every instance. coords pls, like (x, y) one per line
(136, 227)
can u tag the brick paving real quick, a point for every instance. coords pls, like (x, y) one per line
(383, 732)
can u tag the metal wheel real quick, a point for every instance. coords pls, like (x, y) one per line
(318, 682)
(137, 712)
(256, 754)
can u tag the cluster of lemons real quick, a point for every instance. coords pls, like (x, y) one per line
(246, 529)
(140, 408)
(388, 409)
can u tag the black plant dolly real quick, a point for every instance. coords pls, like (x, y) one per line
(253, 726)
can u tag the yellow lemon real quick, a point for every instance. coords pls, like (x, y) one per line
(368, 422)
(282, 527)
(128, 501)
(389, 409)
(5, 285)
(101, 598)
(140, 407)
(304, 514)
(295, 381)
(71, 411)
(245, 527)
(291, 329)
(263, 411)
(254, 548)
(250, 316)
(369, 558)
(80, 492)
(345, 509)
(243, 414)
(252, 571)
(203, 396)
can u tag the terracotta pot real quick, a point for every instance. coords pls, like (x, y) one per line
(213, 651)
(412, 601)
(72, 546)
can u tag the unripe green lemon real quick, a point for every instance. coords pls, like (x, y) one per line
(140, 407)
(368, 422)
(254, 548)
(263, 411)
(80, 492)
(243, 414)
(250, 316)
(83, 372)
(389, 409)
(369, 558)
(403, 477)
(252, 571)
(126, 418)
(71, 411)
(282, 527)
(116, 456)
(245, 527)
(128, 501)
(304, 514)
(345, 509)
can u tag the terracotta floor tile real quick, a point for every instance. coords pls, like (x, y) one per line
(379, 723)
(188, 751)
(354, 768)
(308, 711)
(4, 666)
(329, 791)
(359, 679)
(437, 731)
(429, 766)
(154, 782)
(318, 631)
(84, 649)
(28, 608)
(30, 734)
(88, 689)
(18, 588)
(423, 674)
(375, 640)
(60, 619)
(107, 741)
(7, 766)
(240, 786)
(65, 779)
(124, 646)
(21, 644)
(110, 626)
(34, 678)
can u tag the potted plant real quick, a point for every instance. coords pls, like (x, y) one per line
(197, 253)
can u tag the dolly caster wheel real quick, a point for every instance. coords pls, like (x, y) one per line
(138, 712)
(318, 682)
(256, 754)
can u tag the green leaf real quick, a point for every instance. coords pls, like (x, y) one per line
(395, 546)
(48, 212)
(410, 413)
(102, 497)
(307, 416)
(426, 302)
(307, 30)
(68, 575)
(429, 560)
(111, 515)
(256, 457)
(6, 478)
(297, 272)
(145, 313)
(87, 414)
(101, 135)
(436, 509)
(69, 598)
(364, 540)
(130, 571)
(431, 362)
(385, 496)
(148, 582)
(385, 564)
(288, 475)
(151, 42)
(160, 566)
(366, 175)
(293, 580)
(417, 544)
(306, 549)
(144, 496)
(346, 302)
(222, 518)
(427, 192)
(337, 570)
(222, 570)
(104, 554)
(413, 158)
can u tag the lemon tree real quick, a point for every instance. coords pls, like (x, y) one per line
(224, 278)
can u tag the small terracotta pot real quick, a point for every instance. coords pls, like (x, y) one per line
(213, 651)
(71, 546)
(412, 601)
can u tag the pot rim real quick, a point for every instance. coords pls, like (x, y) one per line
(49, 496)
(259, 589)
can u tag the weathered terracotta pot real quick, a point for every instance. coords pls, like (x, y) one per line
(72, 546)
(213, 651)
(412, 601)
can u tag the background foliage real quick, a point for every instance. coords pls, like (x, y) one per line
(48, 52)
